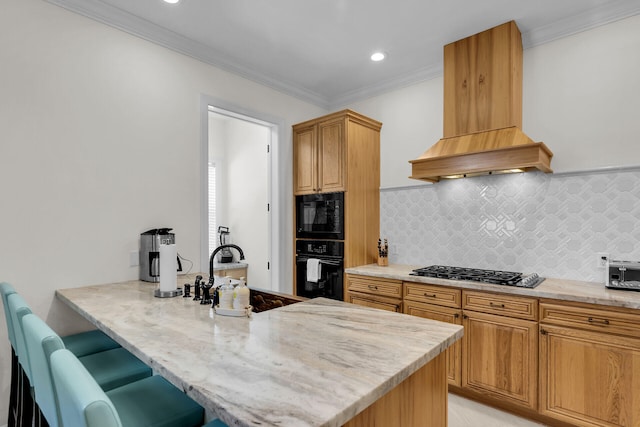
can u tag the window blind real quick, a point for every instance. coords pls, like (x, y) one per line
(212, 207)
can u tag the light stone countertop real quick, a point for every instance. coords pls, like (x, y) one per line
(559, 289)
(218, 266)
(313, 363)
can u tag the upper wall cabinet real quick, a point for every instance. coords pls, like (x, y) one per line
(321, 150)
(319, 157)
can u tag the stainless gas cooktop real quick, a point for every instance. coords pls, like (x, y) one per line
(496, 277)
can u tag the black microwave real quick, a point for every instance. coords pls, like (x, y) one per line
(320, 216)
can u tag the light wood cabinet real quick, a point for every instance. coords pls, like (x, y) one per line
(432, 294)
(341, 152)
(500, 357)
(590, 365)
(375, 301)
(234, 273)
(558, 362)
(500, 304)
(447, 315)
(319, 157)
(442, 304)
(378, 293)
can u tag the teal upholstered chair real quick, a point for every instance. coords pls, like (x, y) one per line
(111, 368)
(14, 390)
(215, 423)
(21, 410)
(149, 402)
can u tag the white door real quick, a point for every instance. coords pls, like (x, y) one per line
(240, 149)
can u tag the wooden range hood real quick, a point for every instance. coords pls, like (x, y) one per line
(483, 111)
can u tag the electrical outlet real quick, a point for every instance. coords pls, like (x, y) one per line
(602, 260)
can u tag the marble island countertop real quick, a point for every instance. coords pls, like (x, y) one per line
(559, 289)
(313, 363)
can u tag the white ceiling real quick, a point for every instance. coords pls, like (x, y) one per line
(319, 50)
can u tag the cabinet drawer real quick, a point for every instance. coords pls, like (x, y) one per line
(432, 294)
(373, 301)
(593, 318)
(376, 286)
(504, 305)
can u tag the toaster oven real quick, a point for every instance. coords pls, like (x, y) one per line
(623, 275)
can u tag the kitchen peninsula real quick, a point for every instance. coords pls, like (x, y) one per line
(315, 363)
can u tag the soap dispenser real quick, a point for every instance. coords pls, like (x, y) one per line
(226, 294)
(241, 295)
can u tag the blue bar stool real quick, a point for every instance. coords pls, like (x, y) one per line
(215, 423)
(20, 401)
(112, 368)
(108, 369)
(14, 390)
(149, 402)
(80, 344)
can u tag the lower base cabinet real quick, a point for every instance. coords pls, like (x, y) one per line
(562, 363)
(589, 379)
(500, 358)
(590, 365)
(442, 314)
(383, 294)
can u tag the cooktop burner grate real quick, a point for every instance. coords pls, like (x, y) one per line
(497, 277)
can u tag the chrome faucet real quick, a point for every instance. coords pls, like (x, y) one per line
(218, 249)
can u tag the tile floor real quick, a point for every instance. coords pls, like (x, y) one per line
(467, 413)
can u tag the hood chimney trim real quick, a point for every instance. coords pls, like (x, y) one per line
(482, 153)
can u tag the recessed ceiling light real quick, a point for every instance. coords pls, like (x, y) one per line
(378, 56)
(172, 1)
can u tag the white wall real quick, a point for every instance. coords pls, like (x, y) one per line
(100, 141)
(581, 96)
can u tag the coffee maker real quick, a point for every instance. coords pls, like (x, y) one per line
(150, 252)
(225, 255)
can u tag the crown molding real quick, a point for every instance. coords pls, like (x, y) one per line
(587, 20)
(120, 19)
(421, 75)
(125, 21)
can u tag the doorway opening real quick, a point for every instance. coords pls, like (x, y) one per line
(238, 196)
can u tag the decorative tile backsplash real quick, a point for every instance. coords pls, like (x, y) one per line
(553, 225)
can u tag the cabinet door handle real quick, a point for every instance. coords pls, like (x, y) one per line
(373, 287)
(430, 295)
(597, 321)
(494, 305)
(464, 316)
(456, 315)
(543, 331)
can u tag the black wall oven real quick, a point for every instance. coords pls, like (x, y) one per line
(325, 257)
(320, 216)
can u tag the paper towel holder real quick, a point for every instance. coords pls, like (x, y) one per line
(167, 294)
(167, 288)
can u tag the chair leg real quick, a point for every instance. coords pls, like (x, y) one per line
(13, 391)
(38, 419)
(25, 407)
(26, 412)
